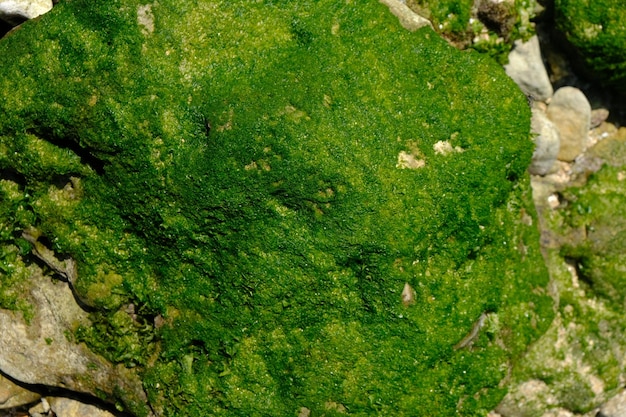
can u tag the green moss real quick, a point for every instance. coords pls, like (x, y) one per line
(263, 180)
(597, 32)
(578, 357)
(596, 210)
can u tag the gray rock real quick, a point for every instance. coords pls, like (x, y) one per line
(526, 68)
(598, 116)
(615, 407)
(528, 399)
(15, 12)
(570, 112)
(39, 352)
(408, 18)
(547, 143)
(13, 395)
(71, 408)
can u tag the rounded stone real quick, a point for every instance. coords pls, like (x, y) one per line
(526, 68)
(570, 112)
(547, 143)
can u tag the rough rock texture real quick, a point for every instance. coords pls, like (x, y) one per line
(570, 112)
(39, 351)
(526, 68)
(547, 143)
(15, 12)
(577, 367)
(66, 407)
(596, 30)
(13, 395)
(243, 192)
(615, 407)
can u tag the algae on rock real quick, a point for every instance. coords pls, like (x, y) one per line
(578, 364)
(487, 26)
(596, 30)
(248, 189)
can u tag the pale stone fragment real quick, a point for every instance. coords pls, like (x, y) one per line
(570, 112)
(15, 12)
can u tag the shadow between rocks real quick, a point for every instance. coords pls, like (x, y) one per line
(48, 391)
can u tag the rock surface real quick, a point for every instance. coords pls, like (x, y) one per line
(408, 18)
(615, 407)
(225, 181)
(39, 351)
(576, 368)
(13, 395)
(547, 143)
(526, 68)
(570, 112)
(15, 12)
(65, 407)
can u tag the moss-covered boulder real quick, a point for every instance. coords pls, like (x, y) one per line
(578, 364)
(596, 30)
(274, 207)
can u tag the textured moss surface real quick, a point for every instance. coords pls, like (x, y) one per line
(597, 210)
(247, 188)
(579, 363)
(596, 29)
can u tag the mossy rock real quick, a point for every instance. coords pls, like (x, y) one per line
(276, 206)
(490, 27)
(597, 209)
(579, 361)
(596, 30)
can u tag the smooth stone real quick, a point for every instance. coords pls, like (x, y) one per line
(526, 68)
(13, 395)
(570, 112)
(547, 143)
(67, 407)
(15, 12)
(598, 116)
(615, 407)
(529, 398)
(407, 17)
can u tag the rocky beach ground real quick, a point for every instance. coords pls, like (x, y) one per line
(579, 169)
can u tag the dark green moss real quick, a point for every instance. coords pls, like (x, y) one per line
(597, 32)
(237, 175)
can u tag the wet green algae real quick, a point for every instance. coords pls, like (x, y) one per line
(596, 31)
(247, 187)
(578, 363)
